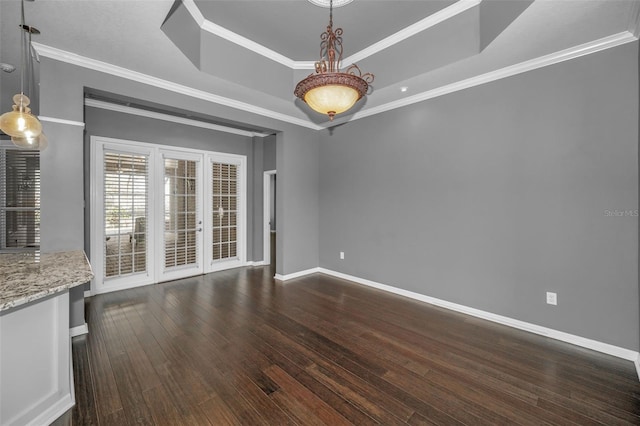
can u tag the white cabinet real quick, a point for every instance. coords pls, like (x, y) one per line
(36, 378)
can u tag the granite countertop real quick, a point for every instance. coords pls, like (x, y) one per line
(25, 277)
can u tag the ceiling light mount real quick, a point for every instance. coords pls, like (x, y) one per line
(330, 91)
(328, 4)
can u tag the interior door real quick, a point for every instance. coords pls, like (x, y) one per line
(181, 206)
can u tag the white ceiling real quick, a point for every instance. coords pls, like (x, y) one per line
(249, 52)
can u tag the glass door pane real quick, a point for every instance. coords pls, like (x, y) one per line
(125, 213)
(225, 212)
(181, 220)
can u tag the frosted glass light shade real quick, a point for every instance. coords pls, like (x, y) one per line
(39, 142)
(20, 123)
(331, 99)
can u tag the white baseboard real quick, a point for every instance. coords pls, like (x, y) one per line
(606, 348)
(79, 330)
(296, 274)
(56, 410)
(87, 294)
(257, 263)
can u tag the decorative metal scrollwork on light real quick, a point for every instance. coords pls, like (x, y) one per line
(330, 91)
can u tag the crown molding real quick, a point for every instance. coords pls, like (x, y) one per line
(95, 65)
(60, 121)
(236, 38)
(634, 18)
(304, 65)
(194, 11)
(543, 61)
(426, 23)
(94, 103)
(422, 25)
(530, 65)
(246, 43)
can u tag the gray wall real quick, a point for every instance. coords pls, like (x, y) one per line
(297, 153)
(101, 122)
(491, 196)
(298, 168)
(269, 159)
(257, 212)
(61, 191)
(62, 89)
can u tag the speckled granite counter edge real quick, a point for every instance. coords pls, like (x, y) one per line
(25, 278)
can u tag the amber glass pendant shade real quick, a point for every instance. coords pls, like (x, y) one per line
(19, 123)
(39, 143)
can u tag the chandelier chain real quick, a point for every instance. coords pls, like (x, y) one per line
(331, 13)
(23, 59)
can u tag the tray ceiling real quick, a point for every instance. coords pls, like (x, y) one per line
(250, 54)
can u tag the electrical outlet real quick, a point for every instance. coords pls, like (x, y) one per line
(341, 255)
(552, 298)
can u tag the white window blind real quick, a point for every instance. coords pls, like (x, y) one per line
(225, 211)
(19, 199)
(126, 186)
(180, 211)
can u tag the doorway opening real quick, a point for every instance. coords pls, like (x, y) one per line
(269, 217)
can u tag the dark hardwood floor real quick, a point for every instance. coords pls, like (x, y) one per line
(238, 348)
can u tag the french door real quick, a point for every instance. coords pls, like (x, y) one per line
(160, 214)
(225, 239)
(182, 212)
(121, 207)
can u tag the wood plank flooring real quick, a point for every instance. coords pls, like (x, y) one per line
(238, 348)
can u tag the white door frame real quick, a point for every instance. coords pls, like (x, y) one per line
(266, 216)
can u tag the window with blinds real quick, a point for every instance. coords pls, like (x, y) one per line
(126, 187)
(180, 211)
(225, 211)
(19, 199)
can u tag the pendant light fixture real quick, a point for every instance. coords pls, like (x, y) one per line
(19, 123)
(330, 91)
(41, 141)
